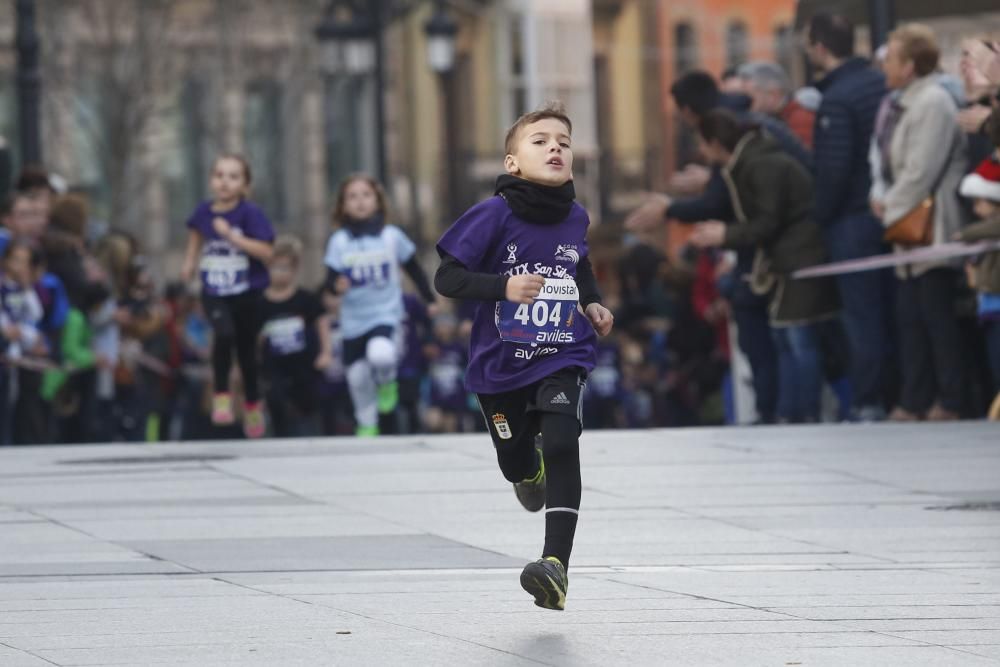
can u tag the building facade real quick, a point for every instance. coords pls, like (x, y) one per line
(139, 95)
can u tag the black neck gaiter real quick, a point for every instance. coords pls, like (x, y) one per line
(536, 203)
(371, 227)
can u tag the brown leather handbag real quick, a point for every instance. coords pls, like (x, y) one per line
(916, 228)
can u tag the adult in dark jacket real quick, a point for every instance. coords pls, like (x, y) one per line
(773, 200)
(696, 94)
(852, 92)
(64, 245)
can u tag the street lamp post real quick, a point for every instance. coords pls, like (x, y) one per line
(881, 20)
(441, 30)
(351, 43)
(29, 83)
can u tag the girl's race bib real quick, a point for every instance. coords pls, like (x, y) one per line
(225, 271)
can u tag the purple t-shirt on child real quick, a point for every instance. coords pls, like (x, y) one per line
(225, 269)
(513, 345)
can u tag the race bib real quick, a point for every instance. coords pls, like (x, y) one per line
(368, 268)
(548, 320)
(286, 335)
(225, 273)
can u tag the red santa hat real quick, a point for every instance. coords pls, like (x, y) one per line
(984, 182)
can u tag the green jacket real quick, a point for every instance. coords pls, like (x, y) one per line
(76, 350)
(772, 196)
(988, 266)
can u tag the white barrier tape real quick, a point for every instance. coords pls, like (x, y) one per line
(934, 253)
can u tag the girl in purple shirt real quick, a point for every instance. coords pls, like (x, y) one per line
(229, 242)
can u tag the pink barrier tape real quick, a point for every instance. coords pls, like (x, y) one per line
(934, 253)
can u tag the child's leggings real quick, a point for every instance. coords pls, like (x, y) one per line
(236, 325)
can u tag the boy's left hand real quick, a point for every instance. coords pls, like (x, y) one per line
(601, 318)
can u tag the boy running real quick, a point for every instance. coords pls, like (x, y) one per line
(523, 255)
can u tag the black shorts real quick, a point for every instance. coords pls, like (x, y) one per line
(356, 349)
(514, 415)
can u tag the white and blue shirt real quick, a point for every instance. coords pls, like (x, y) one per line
(371, 262)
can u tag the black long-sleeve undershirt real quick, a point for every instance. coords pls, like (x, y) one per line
(455, 281)
(412, 268)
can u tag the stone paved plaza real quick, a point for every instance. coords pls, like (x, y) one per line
(834, 545)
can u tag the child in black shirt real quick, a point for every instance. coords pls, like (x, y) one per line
(295, 345)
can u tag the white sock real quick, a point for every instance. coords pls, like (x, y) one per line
(381, 353)
(361, 384)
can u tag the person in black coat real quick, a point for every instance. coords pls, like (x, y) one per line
(696, 94)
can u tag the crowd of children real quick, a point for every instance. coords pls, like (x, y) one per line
(93, 352)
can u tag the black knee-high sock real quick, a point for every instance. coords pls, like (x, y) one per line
(561, 448)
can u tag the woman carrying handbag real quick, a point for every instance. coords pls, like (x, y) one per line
(923, 162)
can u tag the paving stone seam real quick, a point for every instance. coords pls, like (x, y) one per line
(384, 621)
(27, 652)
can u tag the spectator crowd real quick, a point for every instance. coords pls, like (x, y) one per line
(876, 158)
(95, 350)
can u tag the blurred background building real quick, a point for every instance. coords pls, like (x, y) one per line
(137, 96)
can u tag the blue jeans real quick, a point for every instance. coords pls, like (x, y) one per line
(754, 339)
(6, 405)
(991, 330)
(800, 373)
(867, 299)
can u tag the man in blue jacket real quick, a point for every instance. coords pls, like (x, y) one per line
(852, 91)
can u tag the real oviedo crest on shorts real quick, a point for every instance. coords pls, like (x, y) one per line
(502, 427)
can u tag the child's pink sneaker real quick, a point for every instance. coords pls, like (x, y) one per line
(253, 420)
(222, 409)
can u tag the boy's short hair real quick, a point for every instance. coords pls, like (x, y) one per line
(918, 43)
(287, 247)
(554, 110)
(696, 91)
(834, 31)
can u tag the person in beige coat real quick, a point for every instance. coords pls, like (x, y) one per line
(925, 155)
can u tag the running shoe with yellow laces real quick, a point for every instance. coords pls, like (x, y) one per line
(546, 580)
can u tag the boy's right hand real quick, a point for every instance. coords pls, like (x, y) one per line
(187, 271)
(524, 288)
(342, 285)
